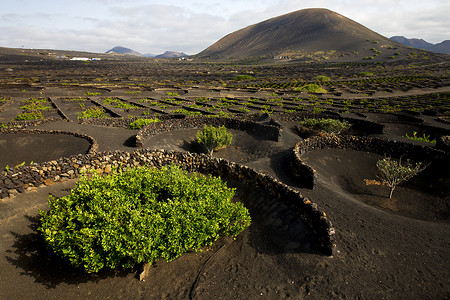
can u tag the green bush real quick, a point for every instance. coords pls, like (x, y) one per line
(93, 93)
(32, 115)
(117, 103)
(213, 137)
(186, 112)
(424, 138)
(91, 113)
(311, 88)
(139, 216)
(332, 126)
(34, 104)
(139, 123)
(322, 78)
(243, 78)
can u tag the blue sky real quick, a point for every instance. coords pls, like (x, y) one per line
(192, 25)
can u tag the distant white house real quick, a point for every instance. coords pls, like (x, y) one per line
(84, 58)
(80, 58)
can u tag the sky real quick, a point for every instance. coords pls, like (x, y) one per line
(191, 26)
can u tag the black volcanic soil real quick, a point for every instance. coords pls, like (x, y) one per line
(349, 168)
(395, 249)
(18, 148)
(379, 252)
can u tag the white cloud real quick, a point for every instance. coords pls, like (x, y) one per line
(193, 25)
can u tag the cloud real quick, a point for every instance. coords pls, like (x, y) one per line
(193, 25)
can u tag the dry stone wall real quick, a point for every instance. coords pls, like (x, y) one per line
(124, 122)
(269, 132)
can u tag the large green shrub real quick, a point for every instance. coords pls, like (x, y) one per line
(139, 216)
(214, 137)
(332, 126)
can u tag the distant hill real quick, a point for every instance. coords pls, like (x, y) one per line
(303, 31)
(123, 50)
(415, 43)
(127, 51)
(443, 47)
(171, 54)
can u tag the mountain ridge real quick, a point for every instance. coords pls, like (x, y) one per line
(127, 51)
(442, 47)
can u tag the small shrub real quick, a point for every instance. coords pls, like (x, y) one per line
(424, 138)
(203, 99)
(243, 78)
(117, 103)
(395, 172)
(147, 112)
(266, 111)
(322, 78)
(311, 88)
(35, 106)
(93, 94)
(213, 137)
(332, 126)
(186, 112)
(91, 113)
(134, 92)
(140, 215)
(367, 74)
(33, 115)
(139, 123)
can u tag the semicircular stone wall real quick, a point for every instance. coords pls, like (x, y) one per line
(392, 148)
(28, 178)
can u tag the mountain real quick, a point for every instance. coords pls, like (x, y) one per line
(127, 51)
(415, 43)
(303, 31)
(443, 47)
(171, 54)
(123, 50)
